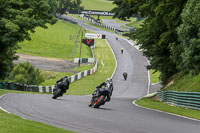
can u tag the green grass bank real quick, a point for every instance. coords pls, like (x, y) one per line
(58, 41)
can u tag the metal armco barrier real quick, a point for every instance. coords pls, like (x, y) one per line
(183, 99)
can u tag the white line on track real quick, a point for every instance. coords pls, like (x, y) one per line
(163, 111)
(1, 107)
(114, 57)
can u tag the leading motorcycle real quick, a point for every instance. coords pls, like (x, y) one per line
(100, 98)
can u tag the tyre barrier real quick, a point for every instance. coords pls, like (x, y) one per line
(182, 99)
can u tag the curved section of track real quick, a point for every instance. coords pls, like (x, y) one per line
(117, 116)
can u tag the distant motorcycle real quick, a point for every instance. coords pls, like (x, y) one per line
(101, 97)
(125, 75)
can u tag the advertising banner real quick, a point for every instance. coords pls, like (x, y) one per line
(92, 35)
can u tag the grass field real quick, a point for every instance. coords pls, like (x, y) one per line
(149, 102)
(102, 5)
(57, 41)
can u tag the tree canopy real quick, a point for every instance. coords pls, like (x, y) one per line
(69, 4)
(25, 73)
(17, 19)
(169, 35)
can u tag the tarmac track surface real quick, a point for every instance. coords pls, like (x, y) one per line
(117, 116)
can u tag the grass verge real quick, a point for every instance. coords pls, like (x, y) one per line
(149, 102)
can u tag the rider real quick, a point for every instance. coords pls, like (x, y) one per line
(125, 75)
(108, 84)
(63, 84)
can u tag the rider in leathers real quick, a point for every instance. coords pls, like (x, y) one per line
(108, 84)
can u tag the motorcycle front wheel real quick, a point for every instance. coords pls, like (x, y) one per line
(57, 93)
(99, 102)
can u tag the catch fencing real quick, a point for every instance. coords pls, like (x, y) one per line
(183, 99)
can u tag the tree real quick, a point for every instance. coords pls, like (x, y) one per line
(127, 8)
(76, 5)
(17, 19)
(188, 51)
(25, 73)
(69, 4)
(53, 6)
(63, 6)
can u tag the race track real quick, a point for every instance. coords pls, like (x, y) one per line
(117, 116)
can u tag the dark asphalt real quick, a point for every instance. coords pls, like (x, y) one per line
(117, 116)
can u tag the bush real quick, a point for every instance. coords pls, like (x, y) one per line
(26, 73)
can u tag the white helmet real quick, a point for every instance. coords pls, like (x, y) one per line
(109, 80)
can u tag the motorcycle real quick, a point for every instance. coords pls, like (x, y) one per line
(100, 98)
(57, 91)
(125, 75)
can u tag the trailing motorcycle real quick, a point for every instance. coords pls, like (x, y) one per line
(57, 92)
